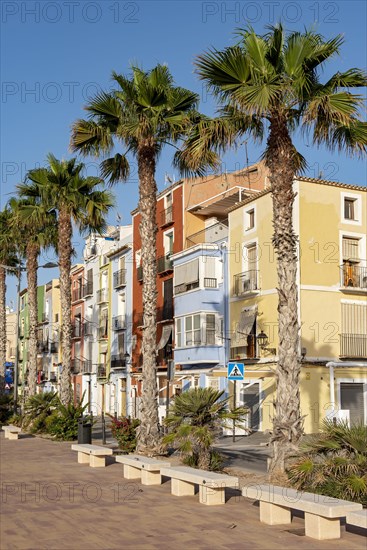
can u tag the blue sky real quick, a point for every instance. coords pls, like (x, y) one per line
(55, 55)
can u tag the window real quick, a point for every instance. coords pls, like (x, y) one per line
(349, 209)
(187, 276)
(250, 219)
(192, 330)
(168, 243)
(56, 317)
(178, 333)
(138, 258)
(350, 249)
(122, 262)
(210, 329)
(353, 336)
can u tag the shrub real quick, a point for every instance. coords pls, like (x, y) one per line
(195, 419)
(124, 431)
(6, 410)
(333, 462)
(37, 409)
(63, 422)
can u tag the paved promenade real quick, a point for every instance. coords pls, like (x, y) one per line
(49, 501)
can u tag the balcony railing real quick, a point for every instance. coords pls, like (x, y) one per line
(54, 347)
(165, 313)
(119, 278)
(77, 294)
(245, 282)
(88, 289)
(75, 365)
(353, 276)
(211, 234)
(167, 216)
(118, 322)
(76, 330)
(101, 371)
(86, 367)
(42, 346)
(353, 346)
(88, 328)
(118, 362)
(210, 282)
(103, 328)
(139, 272)
(164, 264)
(102, 296)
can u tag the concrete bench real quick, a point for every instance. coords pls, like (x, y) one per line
(94, 455)
(12, 432)
(322, 513)
(142, 467)
(358, 518)
(211, 485)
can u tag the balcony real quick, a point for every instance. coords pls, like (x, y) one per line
(165, 313)
(118, 362)
(86, 367)
(245, 283)
(88, 328)
(103, 329)
(119, 278)
(75, 365)
(118, 322)
(211, 234)
(164, 264)
(353, 276)
(102, 296)
(101, 371)
(139, 272)
(54, 347)
(353, 346)
(88, 289)
(167, 216)
(44, 318)
(42, 346)
(77, 294)
(76, 330)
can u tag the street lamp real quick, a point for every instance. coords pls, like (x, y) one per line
(263, 341)
(18, 271)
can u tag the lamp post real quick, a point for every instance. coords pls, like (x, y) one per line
(18, 271)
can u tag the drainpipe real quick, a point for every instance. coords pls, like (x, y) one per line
(331, 365)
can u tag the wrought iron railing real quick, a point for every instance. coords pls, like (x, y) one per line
(102, 296)
(167, 216)
(118, 362)
(210, 282)
(353, 346)
(88, 289)
(119, 322)
(119, 278)
(164, 264)
(245, 282)
(353, 276)
(211, 234)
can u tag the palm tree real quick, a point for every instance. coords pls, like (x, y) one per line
(32, 219)
(271, 84)
(196, 418)
(62, 186)
(8, 258)
(146, 112)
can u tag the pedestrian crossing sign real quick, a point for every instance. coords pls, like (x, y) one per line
(235, 371)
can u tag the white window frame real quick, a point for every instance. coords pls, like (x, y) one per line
(249, 230)
(165, 240)
(361, 248)
(218, 339)
(357, 208)
(363, 381)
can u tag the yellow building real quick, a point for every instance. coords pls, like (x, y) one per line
(330, 221)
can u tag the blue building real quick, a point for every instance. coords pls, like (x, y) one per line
(201, 310)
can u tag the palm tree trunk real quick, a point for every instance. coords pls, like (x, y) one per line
(287, 422)
(149, 431)
(32, 265)
(2, 328)
(65, 252)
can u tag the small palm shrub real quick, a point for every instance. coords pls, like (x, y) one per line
(36, 411)
(333, 462)
(6, 410)
(196, 418)
(63, 422)
(124, 431)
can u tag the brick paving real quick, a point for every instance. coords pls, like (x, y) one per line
(49, 501)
